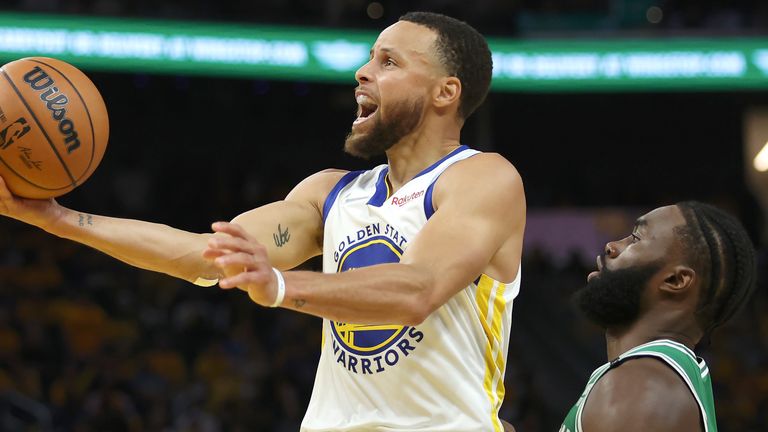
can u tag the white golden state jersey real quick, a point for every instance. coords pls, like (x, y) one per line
(445, 374)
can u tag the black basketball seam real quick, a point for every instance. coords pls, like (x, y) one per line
(34, 117)
(87, 112)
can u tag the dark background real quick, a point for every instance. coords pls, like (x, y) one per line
(91, 344)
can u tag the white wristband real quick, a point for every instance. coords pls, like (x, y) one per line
(280, 288)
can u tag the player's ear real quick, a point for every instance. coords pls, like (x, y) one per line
(678, 279)
(447, 92)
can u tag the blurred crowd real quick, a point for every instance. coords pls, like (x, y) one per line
(90, 344)
(497, 17)
(87, 344)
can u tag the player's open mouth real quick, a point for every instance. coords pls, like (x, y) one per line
(366, 108)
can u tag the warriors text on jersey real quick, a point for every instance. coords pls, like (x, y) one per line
(682, 360)
(446, 374)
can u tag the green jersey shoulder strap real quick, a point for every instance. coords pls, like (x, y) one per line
(693, 371)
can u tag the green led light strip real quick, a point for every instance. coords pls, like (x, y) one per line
(658, 64)
(333, 55)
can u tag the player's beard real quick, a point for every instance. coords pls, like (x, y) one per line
(612, 298)
(402, 118)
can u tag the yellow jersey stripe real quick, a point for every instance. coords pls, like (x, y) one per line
(499, 309)
(489, 303)
(499, 305)
(486, 305)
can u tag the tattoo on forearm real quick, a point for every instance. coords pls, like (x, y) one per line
(281, 237)
(84, 219)
(298, 303)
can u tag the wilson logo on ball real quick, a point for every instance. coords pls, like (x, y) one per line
(56, 102)
(13, 132)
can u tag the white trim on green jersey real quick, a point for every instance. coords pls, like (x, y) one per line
(681, 359)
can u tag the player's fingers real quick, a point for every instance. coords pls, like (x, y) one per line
(6, 198)
(507, 427)
(234, 277)
(234, 244)
(224, 284)
(239, 260)
(212, 254)
(249, 278)
(232, 229)
(5, 194)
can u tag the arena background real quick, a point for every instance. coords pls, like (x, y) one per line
(90, 344)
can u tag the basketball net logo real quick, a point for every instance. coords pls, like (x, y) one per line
(13, 132)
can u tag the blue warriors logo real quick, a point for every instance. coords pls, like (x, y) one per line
(369, 349)
(367, 339)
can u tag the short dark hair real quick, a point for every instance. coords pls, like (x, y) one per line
(463, 52)
(719, 247)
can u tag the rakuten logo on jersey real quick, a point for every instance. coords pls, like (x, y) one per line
(406, 199)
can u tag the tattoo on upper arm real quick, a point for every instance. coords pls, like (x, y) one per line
(298, 303)
(84, 219)
(281, 237)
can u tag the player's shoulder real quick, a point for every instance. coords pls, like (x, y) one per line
(487, 168)
(481, 175)
(328, 175)
(642, 393)
(485, 160)
(323, 180)
(317, 186)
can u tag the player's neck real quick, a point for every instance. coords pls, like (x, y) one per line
(621, 339)
(415, 153)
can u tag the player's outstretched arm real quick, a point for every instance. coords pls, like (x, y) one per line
(479, 217)
(288, 228)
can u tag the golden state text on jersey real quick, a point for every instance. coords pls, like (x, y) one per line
(388, 377)
(371, 349)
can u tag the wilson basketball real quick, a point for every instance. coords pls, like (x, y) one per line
(54, 127)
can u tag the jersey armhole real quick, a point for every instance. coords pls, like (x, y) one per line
(429, 208)
(331, 198)
(678, 370)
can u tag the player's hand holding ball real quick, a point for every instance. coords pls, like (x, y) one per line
(54, 130)
(32, 211)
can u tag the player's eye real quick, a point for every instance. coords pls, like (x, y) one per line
(389, 62)
(635, 238)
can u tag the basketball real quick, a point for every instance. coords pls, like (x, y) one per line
(54, 127)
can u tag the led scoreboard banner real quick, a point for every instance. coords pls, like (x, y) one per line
(282, 52)
(649, 64)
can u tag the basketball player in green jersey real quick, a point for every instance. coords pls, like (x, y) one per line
(683, 271)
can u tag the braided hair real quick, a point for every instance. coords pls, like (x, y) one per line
(718, 246)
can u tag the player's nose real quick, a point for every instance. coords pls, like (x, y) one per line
(363, 74)
(612, 250)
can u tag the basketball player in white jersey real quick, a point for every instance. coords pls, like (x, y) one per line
(684, 271)
(421, 256)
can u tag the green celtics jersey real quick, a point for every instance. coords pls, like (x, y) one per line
(682, 360)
